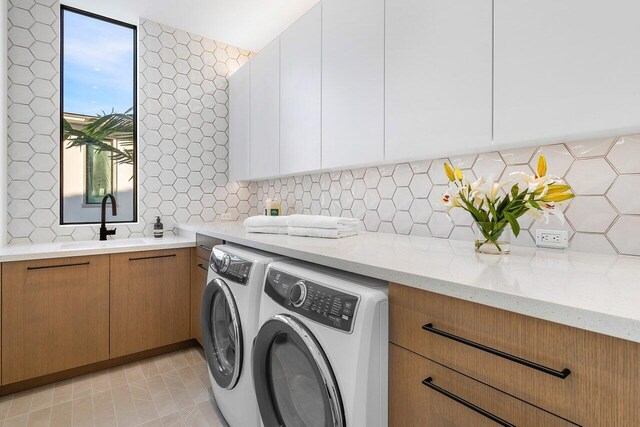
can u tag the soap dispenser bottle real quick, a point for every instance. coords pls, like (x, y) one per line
(158, 229)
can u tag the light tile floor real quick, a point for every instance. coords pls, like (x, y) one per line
(168, 390)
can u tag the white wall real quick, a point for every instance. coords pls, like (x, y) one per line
(3, 121)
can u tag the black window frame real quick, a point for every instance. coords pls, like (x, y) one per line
(134, 28)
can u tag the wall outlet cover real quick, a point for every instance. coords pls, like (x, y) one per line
(555, 239)
(229, 216)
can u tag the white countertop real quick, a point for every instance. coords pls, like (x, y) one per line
(600, 293)
(91, 247)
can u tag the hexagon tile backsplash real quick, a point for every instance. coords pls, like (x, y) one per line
(404, 198)
(183, 154)
(182, 127)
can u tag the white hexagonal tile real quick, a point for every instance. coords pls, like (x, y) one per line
(346, 199)
(386, 210)
(590, 176)
(591, 214)
(436, 172)
(420, 230)
(518, 156)
(402, 222)
(625, 154)
(489, 165)
(403, 198)
(402, 175)
(371, 220)
(590, 242)
(359, 188)
(621, 194)
(440, 225)
(386, 187)
(420, 211)
(420, 185)
(590, 148)
(559, 159)
(625, 235)
(371, 178)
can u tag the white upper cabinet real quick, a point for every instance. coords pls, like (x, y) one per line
(352, 82)
(265, 112)
(300, 104)
(566, 69)
(438, 78)
(240, 124)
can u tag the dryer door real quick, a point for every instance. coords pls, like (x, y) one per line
(222, 333)
(294, 382)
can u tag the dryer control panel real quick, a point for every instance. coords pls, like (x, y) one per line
(322, 304)
(230, 266)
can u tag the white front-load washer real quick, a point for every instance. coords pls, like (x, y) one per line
(230, 309)
(320, 356)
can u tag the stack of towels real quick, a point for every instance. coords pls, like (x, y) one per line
(329, 227)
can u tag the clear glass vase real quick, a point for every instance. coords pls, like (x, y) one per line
(493, 238)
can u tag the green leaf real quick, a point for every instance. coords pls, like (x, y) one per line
(514, 223)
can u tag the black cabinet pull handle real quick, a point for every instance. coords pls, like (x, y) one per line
(429, 383)
(559, 374)
(152, 257)
(206, 248)
(76, 264)
(202, 266)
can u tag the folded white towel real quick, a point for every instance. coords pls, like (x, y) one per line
(327, 233)
(266, 221)
(318, 221)
(267, 230)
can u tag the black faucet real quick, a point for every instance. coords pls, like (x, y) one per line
(103, 229)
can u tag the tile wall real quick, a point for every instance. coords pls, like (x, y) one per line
(404, 198)
(183, 127)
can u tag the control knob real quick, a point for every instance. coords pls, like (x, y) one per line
(298, 294)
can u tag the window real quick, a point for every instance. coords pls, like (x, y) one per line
(98, 123)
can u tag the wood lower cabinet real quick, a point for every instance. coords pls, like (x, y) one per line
(150, 300)
(55, 315)
(423, 394)
(522, 356)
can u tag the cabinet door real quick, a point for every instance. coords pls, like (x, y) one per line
(300, 104)
(265, 112)
(566, 69)
(55, 315)
(199, 269)
(352, 82)
(240, 124)
(150, 298)
(438, 57)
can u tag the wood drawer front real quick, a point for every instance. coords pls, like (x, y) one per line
(55, 315)
(150, 300)
(204, 245)
(412, 403)
(199, 270)
(602, 389)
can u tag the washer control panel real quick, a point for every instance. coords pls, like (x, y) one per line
(230, 266)
(322, 304)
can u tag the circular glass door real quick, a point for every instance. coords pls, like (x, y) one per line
(222, 333)
(294, 383)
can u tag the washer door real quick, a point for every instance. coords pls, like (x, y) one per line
(222, 333)
(294, 382)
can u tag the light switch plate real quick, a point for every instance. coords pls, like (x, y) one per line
(555, 239)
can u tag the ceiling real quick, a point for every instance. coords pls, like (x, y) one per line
(249, 24)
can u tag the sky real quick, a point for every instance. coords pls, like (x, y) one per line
(98, 65)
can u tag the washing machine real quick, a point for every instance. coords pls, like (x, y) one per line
(320, 356)
(229, 316)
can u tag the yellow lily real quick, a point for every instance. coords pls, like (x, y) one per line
(458, 173)
(449, 171)
(558, 188)
(542, 166)
(557, 197)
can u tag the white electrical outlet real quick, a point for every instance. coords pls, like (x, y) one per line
(556, 239)
(229, 216)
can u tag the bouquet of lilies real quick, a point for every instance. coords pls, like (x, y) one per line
(495, 205)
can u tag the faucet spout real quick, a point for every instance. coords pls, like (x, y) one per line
(114, 211)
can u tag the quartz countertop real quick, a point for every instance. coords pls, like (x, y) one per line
(91, 247)
(599, 293)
